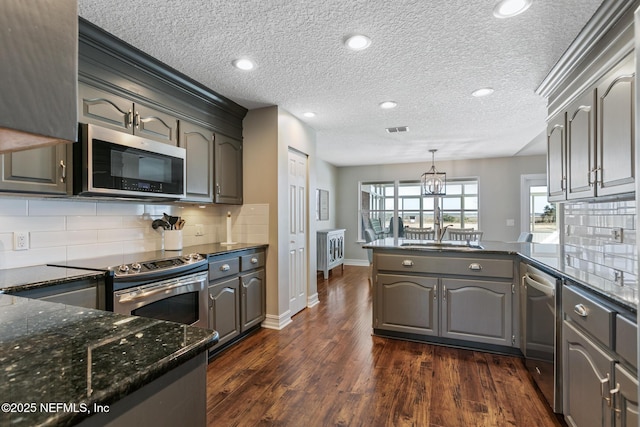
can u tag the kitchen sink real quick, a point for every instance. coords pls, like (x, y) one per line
(443, 246)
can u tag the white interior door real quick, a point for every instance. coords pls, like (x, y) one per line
(297, 231)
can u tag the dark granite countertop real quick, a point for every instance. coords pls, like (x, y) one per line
(548, 257)
(55, 353)
(24, 278)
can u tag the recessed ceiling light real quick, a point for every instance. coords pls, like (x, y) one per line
(244, 64)
(485, 91)
(509, 8)
(357, 42)
(309, 114)
(386, 105)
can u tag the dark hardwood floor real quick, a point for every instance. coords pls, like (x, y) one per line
(326, 369)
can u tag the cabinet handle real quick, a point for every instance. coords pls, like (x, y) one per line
(474, 266)
(217, 188)
(129, 120)
(580, 310)
(613, 399)
(137, 121)
(63, 171)
(444, 292)
(603, 393)
(254, 260)
(407, 263)
(225, 267)
(563, 183)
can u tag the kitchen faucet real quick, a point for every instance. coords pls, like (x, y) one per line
(437, 223)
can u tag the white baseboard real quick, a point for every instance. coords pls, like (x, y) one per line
(357, 262)
(277, 322)
(313, 300)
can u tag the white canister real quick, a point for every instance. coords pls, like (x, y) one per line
(173, 240)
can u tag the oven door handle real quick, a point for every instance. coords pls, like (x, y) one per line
(545, 288)
(134, 296)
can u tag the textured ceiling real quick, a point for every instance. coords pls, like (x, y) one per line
(426, 55)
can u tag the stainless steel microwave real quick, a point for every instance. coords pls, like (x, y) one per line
(111, 163)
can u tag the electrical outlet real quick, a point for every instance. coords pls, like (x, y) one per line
(199, 230)
(20, 240)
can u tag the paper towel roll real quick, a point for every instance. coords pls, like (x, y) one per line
(229, 239)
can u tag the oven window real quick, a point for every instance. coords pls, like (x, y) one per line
(181, 308)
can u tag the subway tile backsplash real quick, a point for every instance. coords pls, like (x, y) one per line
(63, 229)
(600, 245)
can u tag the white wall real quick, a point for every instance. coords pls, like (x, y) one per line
(499, 187)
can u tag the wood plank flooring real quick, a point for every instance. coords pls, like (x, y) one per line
(326, 369)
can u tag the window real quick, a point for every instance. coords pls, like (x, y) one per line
(538, 214)
(403, 199)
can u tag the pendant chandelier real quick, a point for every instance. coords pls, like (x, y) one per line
(434, 183)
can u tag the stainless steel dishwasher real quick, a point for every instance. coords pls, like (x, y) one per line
(542, 332)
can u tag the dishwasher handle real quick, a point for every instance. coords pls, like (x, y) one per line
(542, 285)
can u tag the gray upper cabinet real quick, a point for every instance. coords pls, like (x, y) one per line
(115, 112)
(616, 130)
(228, 170)
(38, 73)
(38, 170)
(198, 141)
(556, 166)
(581, 147)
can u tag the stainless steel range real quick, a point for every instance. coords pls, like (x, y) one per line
(173, 289)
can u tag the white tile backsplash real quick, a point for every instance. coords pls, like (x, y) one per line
(592, 251)
(67, 229)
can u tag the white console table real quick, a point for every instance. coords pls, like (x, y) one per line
(330, 249)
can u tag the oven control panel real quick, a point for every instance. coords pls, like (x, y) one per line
(157, 266)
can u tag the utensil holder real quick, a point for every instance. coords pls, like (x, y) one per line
(173, 240)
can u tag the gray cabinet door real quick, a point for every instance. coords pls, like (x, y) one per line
(154, 124)
(253, 302)
(105, 109)
(581, 148)
(115, 112)
(198, 142)
(625, 398)
(556, 173)
(616, 129)
(224, 309)
(587, 379)
(406, 304)
(228, 170)
(477, 310)
(38, 170)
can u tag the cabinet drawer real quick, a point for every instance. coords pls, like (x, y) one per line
(251, 261)
(627, 340)
(480, 267)
(219, 268)
(594, 317)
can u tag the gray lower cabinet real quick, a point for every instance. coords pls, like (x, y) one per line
(457, 297)
(600, 382)
(237, 294)
(252, 297)
(407, 304)
(198, 141)
(228, 170)
(477, 310)
(39, 170)
(587, 376)
(224, 306)
(115, 112)
(625, 398)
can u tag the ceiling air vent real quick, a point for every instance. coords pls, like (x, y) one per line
(398, 129)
